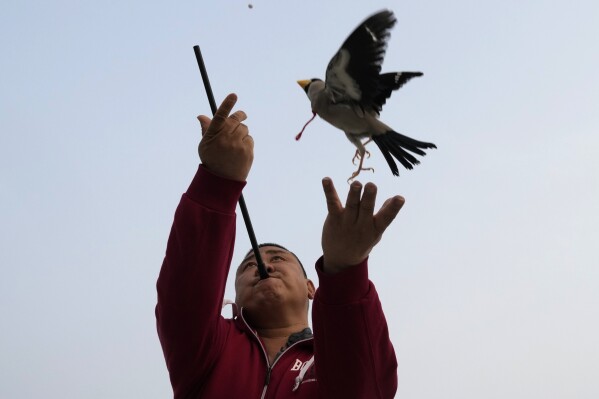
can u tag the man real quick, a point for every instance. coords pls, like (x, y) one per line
(267, 350)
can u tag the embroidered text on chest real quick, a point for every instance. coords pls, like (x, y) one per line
(297, 365)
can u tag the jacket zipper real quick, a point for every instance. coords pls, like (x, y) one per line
(269, 366)
(266, 381)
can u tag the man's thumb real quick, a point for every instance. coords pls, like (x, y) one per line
(204, 123)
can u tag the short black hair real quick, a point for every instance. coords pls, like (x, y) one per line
(270, 244)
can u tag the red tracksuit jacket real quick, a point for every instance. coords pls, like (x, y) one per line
(208, 356)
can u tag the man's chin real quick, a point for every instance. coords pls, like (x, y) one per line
(268, 293)
(267, 303)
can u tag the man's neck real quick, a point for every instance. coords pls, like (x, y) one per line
(274, 339)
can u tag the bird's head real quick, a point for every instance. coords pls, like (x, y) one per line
(311, 86)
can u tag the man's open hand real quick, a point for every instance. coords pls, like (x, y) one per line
(350, 233)
(226, 148)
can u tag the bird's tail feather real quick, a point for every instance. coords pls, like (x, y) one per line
(396, 144)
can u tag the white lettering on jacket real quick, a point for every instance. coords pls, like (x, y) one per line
(297, 365)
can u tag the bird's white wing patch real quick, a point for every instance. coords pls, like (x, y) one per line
(374, 38)
(339, 82)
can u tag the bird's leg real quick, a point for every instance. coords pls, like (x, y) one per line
(360, 154)
(365, 151)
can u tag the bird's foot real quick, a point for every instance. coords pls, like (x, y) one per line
(357, 172)
(358, 157)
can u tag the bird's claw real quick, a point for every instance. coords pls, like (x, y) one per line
(357, 172)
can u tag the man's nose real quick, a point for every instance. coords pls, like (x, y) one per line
(269, 268)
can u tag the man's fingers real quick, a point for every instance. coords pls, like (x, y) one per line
(204, 123)
(333, 202)
(248, 139)
(368, 201)
(388, 212)
(353, 199)
(222, 113)
(239, 116)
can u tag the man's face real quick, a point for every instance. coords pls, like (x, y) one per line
(286, 286)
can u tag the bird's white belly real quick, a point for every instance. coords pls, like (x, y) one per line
(345, 118)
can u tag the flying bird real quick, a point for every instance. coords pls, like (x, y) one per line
(354, 92)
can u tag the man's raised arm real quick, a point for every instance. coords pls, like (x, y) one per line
(354, 357)
(200, 246)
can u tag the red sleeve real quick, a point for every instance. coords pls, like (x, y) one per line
(354, 357)
(193, 276)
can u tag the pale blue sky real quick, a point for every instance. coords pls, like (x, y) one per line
(489, 277)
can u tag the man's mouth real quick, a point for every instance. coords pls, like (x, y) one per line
(261, 280)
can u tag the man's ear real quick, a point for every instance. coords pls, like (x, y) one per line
(311, 289)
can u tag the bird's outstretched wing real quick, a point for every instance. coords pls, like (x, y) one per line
(387, 83)
(353, 73)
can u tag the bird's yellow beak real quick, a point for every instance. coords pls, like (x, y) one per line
(304, 83)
